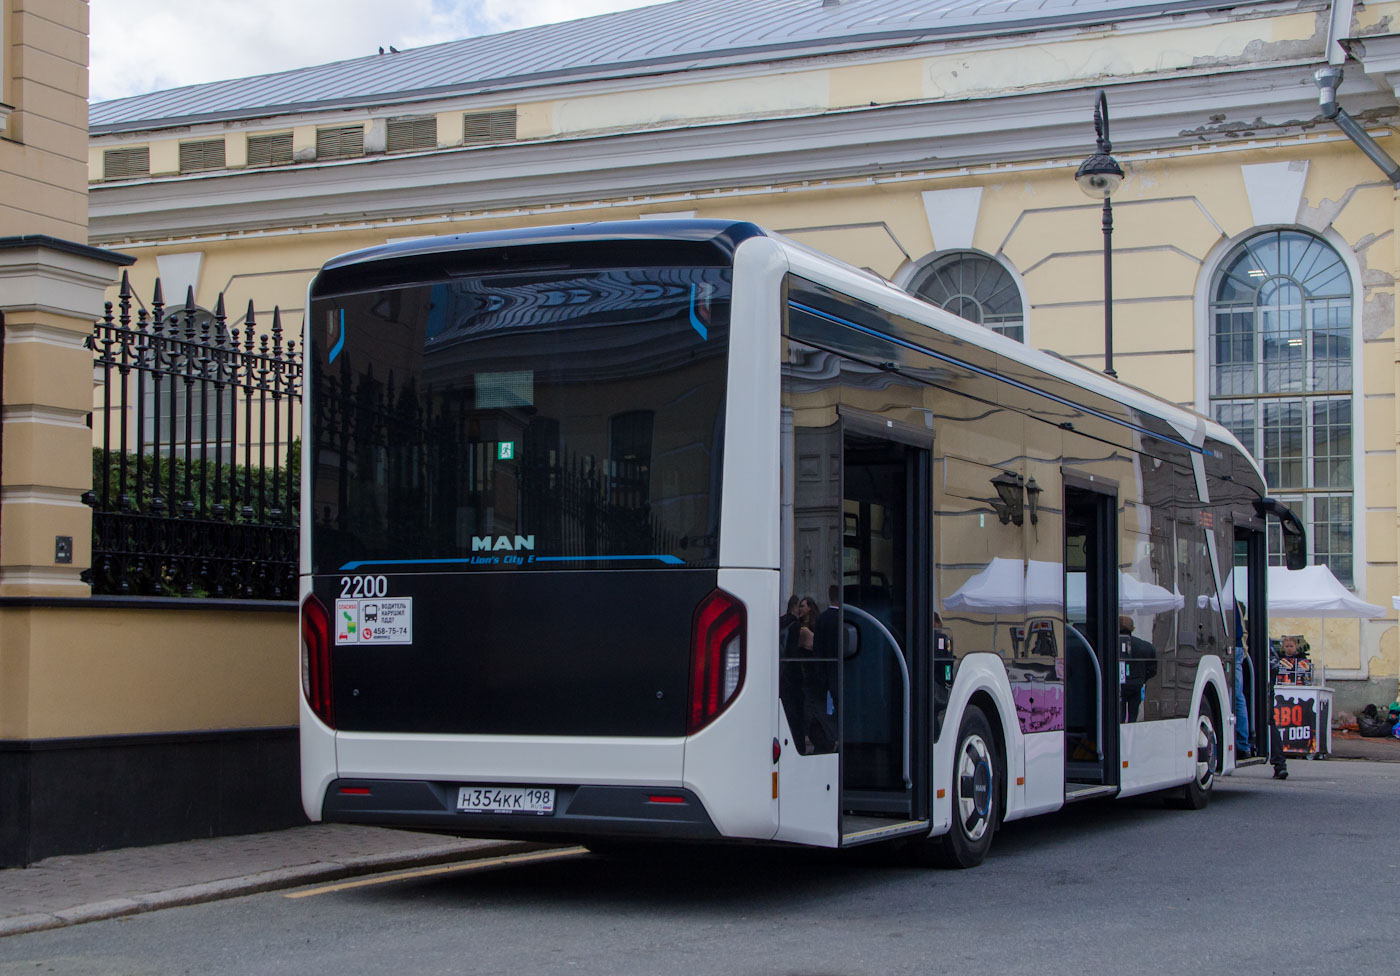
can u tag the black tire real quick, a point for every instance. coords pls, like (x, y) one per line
(976, 788)
(1196, 794)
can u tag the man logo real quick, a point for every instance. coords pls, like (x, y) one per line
(495, 543)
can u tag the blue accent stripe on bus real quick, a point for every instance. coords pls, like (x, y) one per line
(356, 564)
(668, 560)
(695, 323)
(339, 343)
(952, 360)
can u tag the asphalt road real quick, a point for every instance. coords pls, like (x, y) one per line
(1291, 877)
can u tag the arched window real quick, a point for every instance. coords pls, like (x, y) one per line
(1281, 379)
(975, 287)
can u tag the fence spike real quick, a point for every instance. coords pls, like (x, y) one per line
(220, 321)
(158, 302)
(277, 330)
(189, 313)
(124, 301)
(249, 322)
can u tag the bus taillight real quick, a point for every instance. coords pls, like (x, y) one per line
(716, 657)
(316, 658)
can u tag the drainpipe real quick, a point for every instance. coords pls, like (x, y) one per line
(1329, 78)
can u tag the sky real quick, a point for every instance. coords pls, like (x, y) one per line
(140, 46)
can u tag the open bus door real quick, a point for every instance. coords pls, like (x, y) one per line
(1250, 669)
(853, 693)
(888, 629)
(1092, 640)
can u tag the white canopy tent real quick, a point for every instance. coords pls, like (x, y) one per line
(1308, 592)
(1008, 586)
(1011, 586)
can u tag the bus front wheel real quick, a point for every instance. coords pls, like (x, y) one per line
(976, 793)
(1196, 794)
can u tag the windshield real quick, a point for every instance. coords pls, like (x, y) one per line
(520, 421)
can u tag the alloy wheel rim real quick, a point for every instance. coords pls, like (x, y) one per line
(1205, 752)
(975, 787)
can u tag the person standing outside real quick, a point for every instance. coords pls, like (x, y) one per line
(1241, 701)
(1140, 667)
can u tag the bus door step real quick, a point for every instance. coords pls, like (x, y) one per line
(1251, 761)
(1074, 792)
(864, 830)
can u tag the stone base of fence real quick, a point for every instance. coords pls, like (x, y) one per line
(76, 796)
(127, 721)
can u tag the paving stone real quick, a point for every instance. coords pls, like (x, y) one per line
(75, 888)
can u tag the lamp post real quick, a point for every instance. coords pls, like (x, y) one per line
(1098, 176)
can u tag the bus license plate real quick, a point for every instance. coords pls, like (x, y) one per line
(505, 799)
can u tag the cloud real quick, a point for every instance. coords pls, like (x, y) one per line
(141, 46)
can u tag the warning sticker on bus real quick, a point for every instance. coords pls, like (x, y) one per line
(379, 621)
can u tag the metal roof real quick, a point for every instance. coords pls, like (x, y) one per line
(671, 36)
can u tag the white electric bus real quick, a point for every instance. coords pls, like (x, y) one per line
(679, 529)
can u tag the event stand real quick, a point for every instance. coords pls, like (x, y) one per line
(1303, 712)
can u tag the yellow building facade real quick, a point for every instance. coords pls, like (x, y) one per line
(132, 702)
(1254, 247)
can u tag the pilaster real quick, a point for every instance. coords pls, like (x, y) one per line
(51, 290)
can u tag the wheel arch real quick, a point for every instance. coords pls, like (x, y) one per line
(981, 680)
(1211, 693)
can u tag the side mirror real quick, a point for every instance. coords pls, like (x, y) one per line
(1295, 551)
(1295, 537)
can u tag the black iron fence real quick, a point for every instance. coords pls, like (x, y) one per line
(196, 485)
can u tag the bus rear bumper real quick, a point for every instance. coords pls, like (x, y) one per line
(579, 811)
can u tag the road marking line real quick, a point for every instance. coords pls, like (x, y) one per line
(446, 869)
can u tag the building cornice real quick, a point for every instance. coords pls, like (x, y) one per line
(1379, 56)
(1227, 107)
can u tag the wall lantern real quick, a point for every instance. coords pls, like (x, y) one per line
(1015, 495)
(1010, 502)
(1033, 499)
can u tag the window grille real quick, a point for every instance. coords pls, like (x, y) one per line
(480, 127)
(412, 133)
(123, 164)
(270, 150)
(974, 287)
(341, 142)
(202, 155)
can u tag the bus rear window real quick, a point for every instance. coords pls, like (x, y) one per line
(528, 421)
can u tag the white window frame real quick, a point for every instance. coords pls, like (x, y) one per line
(1209, 267)
(911, 269)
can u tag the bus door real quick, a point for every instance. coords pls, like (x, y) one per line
(886, 629)
(1251, 629)
(1091, 639)
(853, 663)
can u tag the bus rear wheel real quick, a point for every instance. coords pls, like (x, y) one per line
(976, 792)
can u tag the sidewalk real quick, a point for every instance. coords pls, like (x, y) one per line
(1349, 745)
(78, 888)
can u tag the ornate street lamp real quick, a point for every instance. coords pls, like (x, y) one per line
(1098, 176)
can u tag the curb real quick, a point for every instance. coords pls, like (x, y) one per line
(252, 884)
